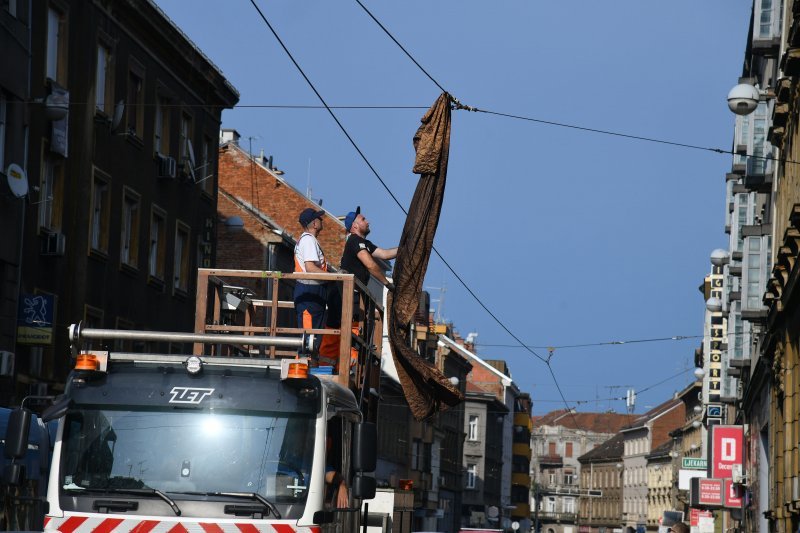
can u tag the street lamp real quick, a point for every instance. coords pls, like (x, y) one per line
(719, 257)
(743, 99)
(699, 373)
(714, 304)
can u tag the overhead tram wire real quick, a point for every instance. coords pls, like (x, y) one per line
(590, 344)
(469, 108)
(546, 361)
(391, 194)
(553, 123)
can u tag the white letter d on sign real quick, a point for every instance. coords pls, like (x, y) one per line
(728, 449)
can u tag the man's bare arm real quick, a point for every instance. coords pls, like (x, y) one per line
(311, 266)
(382, 253)
(366, 258)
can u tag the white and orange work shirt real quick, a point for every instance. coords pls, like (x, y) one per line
(308, 249)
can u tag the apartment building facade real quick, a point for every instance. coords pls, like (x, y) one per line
(15, 41)
(117, 219)
(642, 437)
(600, 508)
(558, 439)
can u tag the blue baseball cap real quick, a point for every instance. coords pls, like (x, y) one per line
(351, 217)
(308, 215)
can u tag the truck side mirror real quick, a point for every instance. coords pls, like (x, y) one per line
(17, 433)
(323, 517)
(365, 447)
(13, 474)
(57, 410)
(363, 487)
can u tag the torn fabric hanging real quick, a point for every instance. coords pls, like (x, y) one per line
(425, 387)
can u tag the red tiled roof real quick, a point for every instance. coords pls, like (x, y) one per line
(641, 420)
(474, 387)
(594, 422)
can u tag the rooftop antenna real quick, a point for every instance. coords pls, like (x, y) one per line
(630, 401)
(308, 179)
(442, 290)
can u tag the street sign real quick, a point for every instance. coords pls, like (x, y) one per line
(694, 463)
(35, 318)
(724, 450)
(733, 494)
(706, 493)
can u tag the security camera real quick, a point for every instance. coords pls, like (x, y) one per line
(743, 99)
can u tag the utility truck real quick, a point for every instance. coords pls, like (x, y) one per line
(236, 432)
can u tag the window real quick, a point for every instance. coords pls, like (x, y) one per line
(568, 504)
(472, 475)
(186, 137)
(56, 58)
(103, 80)
(11, 7)
(416, 453)
(551, 477)
(551, 448)
(551, 504)
(181, 259)
(92, 318)
(765, 19)
(205, 172)
(568, 450)
(569, 477)
(2, 131)
(123, 345)
(158, 237)
(753, 275)
(134, 100)
(161, 140)
(473, 428)
(51, 192)
(129, 235)
(101, 210)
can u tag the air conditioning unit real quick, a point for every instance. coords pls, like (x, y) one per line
(167, 167)
(737, 475)
(54, 244)
(6, 363)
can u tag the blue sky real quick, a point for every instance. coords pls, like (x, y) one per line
(569, 237)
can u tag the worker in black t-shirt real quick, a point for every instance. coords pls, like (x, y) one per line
(360, 254)
(358, 258)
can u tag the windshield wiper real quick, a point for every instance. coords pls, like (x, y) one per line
(249, 495)
(136, 492)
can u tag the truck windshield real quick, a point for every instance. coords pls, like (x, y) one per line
(191, 451)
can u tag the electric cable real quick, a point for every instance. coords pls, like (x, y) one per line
(439, 85)
(391, 194)
(553, 123)
(460, 106)
(607, 343)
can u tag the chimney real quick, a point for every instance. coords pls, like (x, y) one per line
(229, 135)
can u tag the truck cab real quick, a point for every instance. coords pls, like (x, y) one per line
(239, 433)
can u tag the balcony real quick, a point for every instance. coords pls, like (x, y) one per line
(549, 460)
(551, 516)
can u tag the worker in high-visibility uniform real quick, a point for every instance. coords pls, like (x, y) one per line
(310, 295)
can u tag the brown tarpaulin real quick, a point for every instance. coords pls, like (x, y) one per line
(425, 387)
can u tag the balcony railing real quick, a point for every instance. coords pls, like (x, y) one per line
(550, 460)
(551, 516)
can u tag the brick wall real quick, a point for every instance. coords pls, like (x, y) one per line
(669, 421)
(244, 178)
